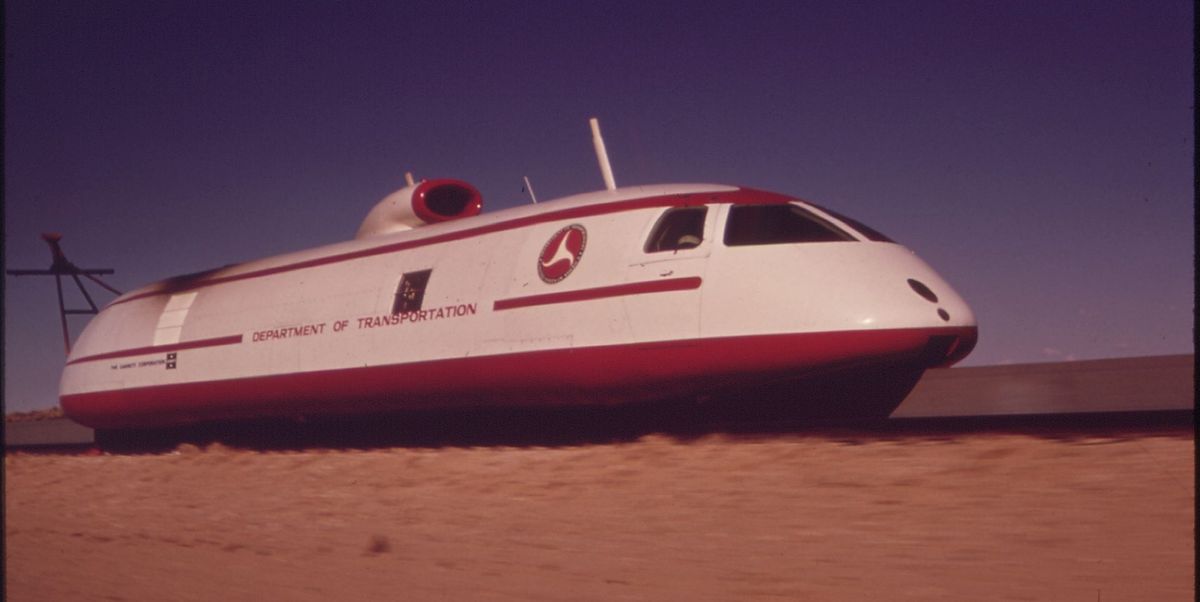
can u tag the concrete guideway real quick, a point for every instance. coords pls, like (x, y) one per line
(1136, 384)
(1140, 384)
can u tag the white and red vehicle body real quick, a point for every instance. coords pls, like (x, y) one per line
(634, 294)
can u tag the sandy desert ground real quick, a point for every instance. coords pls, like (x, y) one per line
(799, 516)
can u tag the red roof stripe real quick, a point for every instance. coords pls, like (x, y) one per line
(744, 195)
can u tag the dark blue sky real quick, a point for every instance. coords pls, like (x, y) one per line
(1038, 154)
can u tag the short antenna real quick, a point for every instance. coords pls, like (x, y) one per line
(602, 155)
(529, 187)
(408, 179)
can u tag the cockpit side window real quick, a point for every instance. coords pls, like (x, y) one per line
(678, 229)
(778, 224)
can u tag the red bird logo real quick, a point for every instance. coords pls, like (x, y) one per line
(561, 253)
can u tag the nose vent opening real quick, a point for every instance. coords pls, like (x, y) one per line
(919, 288)
(938, 349)
(945, 350)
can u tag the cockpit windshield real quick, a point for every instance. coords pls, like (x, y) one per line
(778, 224)
(865, 230)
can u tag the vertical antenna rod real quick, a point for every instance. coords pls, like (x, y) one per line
(602, 155)
(529, 187)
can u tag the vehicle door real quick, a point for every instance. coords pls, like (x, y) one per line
(665, 276)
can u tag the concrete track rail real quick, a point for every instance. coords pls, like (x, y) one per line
(1032, 394)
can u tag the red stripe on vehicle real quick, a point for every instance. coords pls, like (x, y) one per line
(216, 342)
(578, 375)
(744, 195)
(587, 294)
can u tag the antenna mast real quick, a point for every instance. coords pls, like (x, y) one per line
(529, 187)
(602, 155)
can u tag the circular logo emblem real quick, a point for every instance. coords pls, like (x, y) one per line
(561, 253)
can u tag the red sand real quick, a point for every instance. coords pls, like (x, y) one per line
(799, 517)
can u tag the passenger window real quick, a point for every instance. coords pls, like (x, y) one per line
(411, 291)
(777, 224)
(678, 229)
